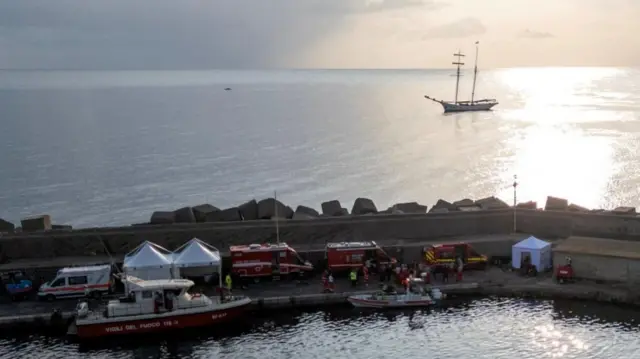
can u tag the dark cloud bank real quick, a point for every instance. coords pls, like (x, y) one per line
(169, 34)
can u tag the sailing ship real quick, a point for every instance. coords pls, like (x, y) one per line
(465, 106)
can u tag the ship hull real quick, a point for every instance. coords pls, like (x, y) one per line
(160, 323)
(452, 107)
(365, 301)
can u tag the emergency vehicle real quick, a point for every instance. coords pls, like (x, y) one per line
(77, 282)
(267, 260)
(346, 255)
(445, 254)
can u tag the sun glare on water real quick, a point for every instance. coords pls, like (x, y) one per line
(556, 150)
(554, 343)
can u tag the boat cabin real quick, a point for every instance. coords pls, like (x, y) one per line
(155, 296)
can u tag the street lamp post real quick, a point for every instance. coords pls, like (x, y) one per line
(515, 199)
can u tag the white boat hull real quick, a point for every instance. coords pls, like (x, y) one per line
(390, 301)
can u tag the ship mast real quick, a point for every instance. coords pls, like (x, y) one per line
(475, 74)
(459, 63)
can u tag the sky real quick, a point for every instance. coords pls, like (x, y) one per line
(257, 34)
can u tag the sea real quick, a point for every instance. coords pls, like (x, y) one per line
(107, 148)
(485, 328)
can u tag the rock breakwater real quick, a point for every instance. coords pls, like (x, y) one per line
(306, 227)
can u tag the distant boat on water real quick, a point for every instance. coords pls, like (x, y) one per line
(465, 106)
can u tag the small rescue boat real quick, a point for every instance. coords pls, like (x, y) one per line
(156, 305)
(416, 296)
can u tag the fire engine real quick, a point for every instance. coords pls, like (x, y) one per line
(346, 255)
(445, 254)
(267, 260)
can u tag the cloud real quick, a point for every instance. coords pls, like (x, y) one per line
(381, 5)
(169, 34)
(347, 7)
(531, 34)
(458, 29)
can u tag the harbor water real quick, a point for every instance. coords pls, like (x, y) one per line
(483, 328)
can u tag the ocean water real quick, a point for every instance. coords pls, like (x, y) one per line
(490, 328)
(109, 148)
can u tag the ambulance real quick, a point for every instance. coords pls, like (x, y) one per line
(346, 255)
(267, 260)
(73, 282)
(440, 255)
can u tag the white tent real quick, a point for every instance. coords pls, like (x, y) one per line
(149, 261)
(197, 258)
(538, 250)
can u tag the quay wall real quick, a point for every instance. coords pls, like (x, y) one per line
(39, 318)
(314, 233)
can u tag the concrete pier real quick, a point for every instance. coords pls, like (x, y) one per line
(319, 300)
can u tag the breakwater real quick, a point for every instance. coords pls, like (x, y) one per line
(462, 218)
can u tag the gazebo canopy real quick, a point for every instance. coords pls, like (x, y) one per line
(532, 243)
(148, 255)
(196, 253)
(536, 250)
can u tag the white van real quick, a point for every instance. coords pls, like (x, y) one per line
(77, 282)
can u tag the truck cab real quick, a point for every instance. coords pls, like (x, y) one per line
(260, 261)
(446, 254)
(343, 256)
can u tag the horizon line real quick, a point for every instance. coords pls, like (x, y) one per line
(313, 68)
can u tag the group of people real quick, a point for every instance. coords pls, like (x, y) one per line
(400, 273)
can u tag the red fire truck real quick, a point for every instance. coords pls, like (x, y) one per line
(444, 254)
(346, 255)
(267, 260)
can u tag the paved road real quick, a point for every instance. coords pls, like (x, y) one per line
(264, 289)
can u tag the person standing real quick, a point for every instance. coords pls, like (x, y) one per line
(325, 281)
(460, 269)
(446, 268)
(229, 282)
(365, 275)
(332, 286)
(353, 277)
(382, 272)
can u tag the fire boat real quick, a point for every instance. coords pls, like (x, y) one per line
(418, 295)
(154, 306)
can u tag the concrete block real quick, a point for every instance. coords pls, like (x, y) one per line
(36, 223)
